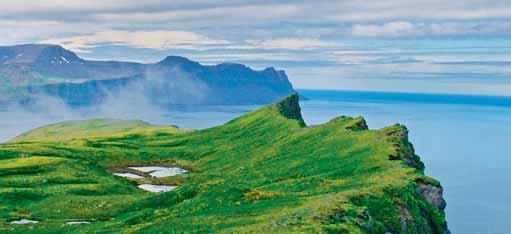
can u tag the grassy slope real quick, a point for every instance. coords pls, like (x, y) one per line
(263, 172)
(87, 129)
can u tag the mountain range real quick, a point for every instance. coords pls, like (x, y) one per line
(29, 72)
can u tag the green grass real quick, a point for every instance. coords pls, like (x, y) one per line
(90, 129)
(263, 172)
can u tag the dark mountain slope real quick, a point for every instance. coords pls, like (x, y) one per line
(55, 71)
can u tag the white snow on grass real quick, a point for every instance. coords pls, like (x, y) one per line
(156, 188)
(160, 172)
(24, 221)
(147, 169)
(171, 171)
(77, 222)
(129, 175)
(157, 172)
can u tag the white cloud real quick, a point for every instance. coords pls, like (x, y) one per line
(291, 43)
(411, 10)
(386, 30)
(8, 6)
(283, 33)
(296, 11)
(215, 14)
(27, 7)
(158, 40)
(164, 40)
(409, 29)
(17, 32)
(256, 20)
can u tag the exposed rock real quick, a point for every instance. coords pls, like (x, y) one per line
(359, 124)
(399, 131)
(290, 108)
(432, 193)
(404, 149)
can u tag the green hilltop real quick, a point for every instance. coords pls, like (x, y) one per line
(264, 172)
(69, 130)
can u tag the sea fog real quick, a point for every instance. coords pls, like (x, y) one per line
(15, 120)
(463, 140)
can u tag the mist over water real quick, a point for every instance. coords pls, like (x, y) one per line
(463, 140)
(15, 119)
(139, 99)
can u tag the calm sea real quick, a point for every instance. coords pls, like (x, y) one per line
(463, 140)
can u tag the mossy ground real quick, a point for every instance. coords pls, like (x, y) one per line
(263, 172)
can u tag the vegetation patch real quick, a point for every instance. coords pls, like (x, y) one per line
(264, 172)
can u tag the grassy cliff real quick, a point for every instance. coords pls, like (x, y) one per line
(263, 172)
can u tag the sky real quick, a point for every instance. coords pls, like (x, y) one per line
(433, 46)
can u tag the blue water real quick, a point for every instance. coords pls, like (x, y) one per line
(463, 140)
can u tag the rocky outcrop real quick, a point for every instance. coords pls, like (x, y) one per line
(404, 150)
(290, 108)
(358, 124)
(433, 193)
(429, 214)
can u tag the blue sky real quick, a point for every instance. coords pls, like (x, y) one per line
(397, 45)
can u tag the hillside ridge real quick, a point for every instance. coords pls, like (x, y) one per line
(262, 172)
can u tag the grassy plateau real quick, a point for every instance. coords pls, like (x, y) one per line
(264, 172)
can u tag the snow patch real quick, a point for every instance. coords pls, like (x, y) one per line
(155, 172)
(24, 221)
(160, 172)
(77, 222)
(129, 175)
(156, 188)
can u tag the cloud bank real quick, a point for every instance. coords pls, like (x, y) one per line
(158, 40)
(317, 42)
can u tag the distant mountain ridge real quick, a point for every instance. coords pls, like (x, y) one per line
(35, 69)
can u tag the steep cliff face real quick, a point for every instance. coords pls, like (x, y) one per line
(426, 213)
(290, 108)
(52, 70)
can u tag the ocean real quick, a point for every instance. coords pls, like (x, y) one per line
(463, 140)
